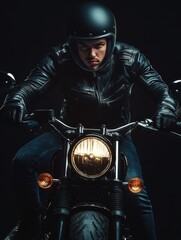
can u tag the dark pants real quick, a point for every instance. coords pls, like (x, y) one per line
(35, 156)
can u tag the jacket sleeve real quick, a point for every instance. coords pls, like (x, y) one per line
(40, 80)
(149, 79)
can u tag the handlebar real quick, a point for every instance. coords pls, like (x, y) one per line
(47, 116)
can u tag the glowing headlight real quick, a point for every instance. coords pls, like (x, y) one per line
(91, 157)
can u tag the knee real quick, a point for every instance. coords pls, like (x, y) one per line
(22, 160)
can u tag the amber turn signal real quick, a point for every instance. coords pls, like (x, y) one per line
(45, 180)
(135, 185)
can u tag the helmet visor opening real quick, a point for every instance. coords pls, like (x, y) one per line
(73, 44)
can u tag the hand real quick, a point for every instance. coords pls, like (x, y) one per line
(165, 118)
(11, 114)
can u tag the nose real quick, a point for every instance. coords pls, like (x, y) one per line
(92, 52)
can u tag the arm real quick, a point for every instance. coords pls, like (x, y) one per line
(148, 78)
(23, 95)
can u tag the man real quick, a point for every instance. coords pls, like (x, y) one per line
(95, 74)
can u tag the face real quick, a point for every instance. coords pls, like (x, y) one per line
(92, 52)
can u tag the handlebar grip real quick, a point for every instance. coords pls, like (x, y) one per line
(30, 123)
(39, 116)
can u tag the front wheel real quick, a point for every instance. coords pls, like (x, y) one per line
(89, 225)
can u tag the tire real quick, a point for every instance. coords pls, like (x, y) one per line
(89, 225)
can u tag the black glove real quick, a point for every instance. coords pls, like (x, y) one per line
(11, 114)
(165, 118)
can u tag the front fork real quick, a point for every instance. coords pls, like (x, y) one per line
(62, 202)
(61, 213)
(62, 207)
(117, 214)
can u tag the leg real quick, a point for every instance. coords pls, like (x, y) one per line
(138, 206)
(32, 158)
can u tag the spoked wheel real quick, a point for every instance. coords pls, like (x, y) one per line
(89, 225)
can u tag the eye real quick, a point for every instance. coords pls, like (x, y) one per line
(82, 47)
(99, 45)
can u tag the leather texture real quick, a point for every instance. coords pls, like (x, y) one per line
(92, 98)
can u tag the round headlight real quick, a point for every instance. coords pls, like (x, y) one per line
(91, 157)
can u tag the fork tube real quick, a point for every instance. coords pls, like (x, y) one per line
(62, 203)
(61, 212)
(117, 199)
(66, 158)
(117, 160)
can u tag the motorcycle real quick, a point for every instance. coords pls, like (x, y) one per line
(86, 182)
(85, 185)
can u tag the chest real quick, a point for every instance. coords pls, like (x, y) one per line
(105, 87)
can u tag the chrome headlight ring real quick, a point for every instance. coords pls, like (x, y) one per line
(91, 156)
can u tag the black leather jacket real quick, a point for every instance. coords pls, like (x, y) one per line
(93, 98)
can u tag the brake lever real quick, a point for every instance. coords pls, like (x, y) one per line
(149, 124)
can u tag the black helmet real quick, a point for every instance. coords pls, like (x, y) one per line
(90, 21)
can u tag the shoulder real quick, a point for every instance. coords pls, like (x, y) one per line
(121, 48)
(128, 54)
(61, 52)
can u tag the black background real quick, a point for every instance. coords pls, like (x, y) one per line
(29, 28)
